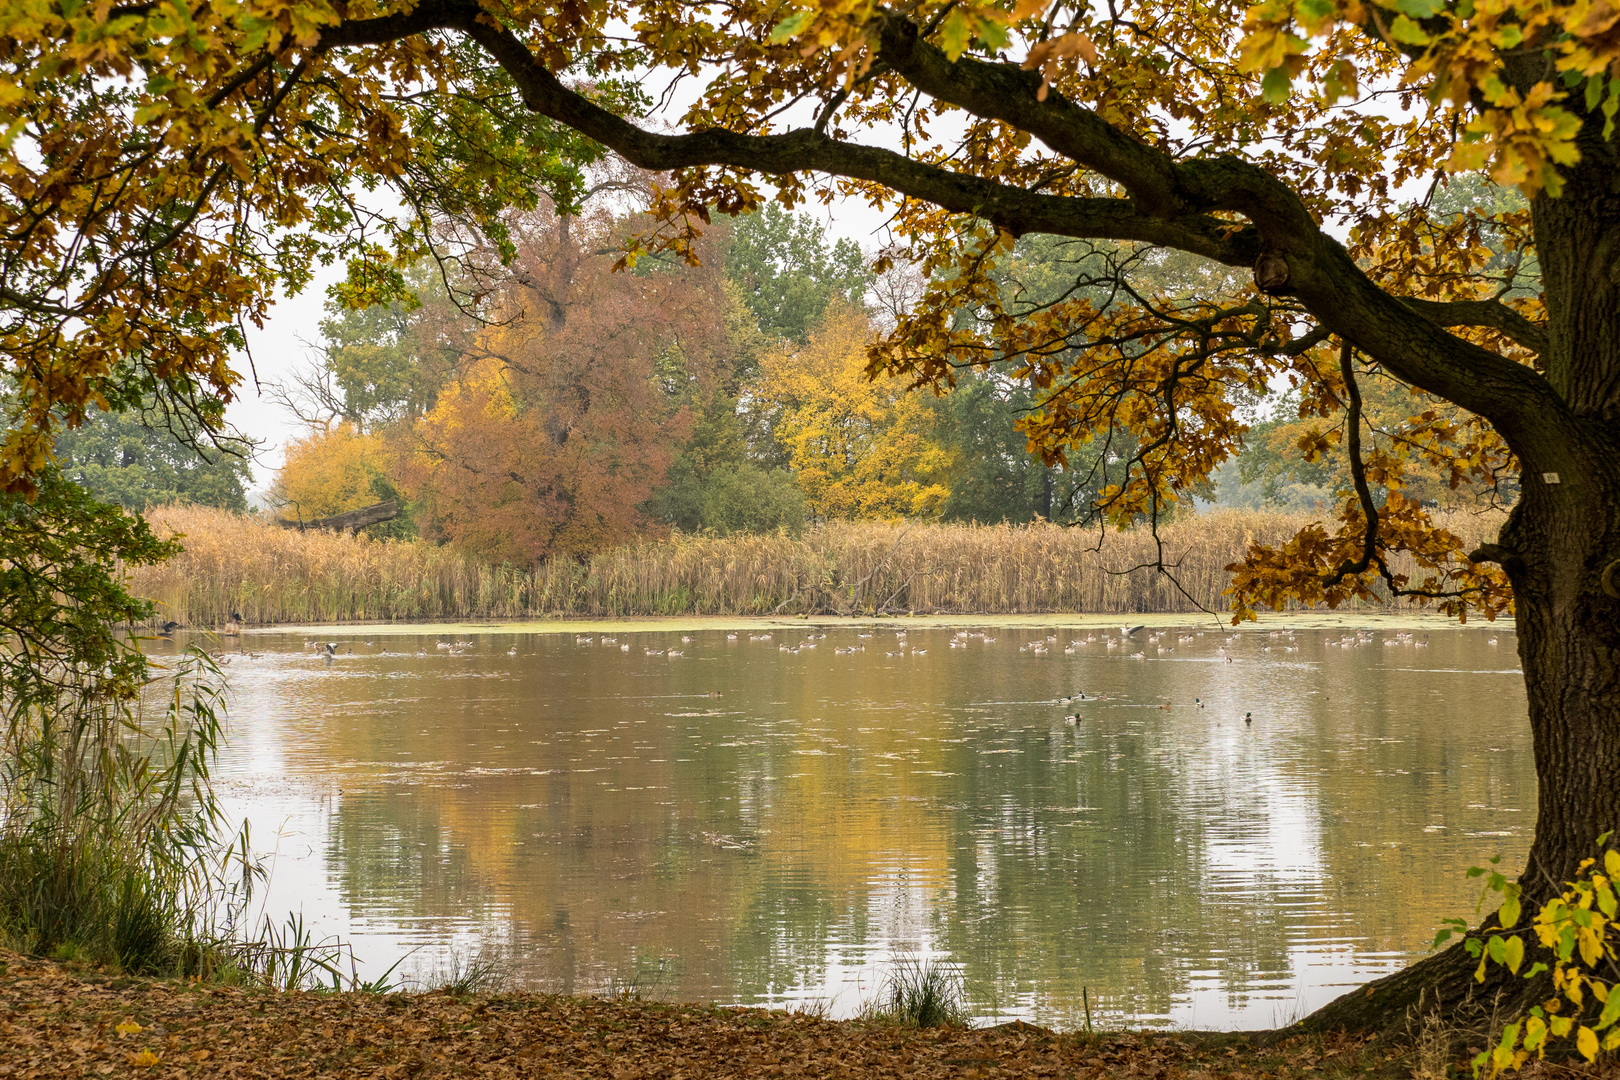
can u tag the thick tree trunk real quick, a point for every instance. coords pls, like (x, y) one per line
(1568, 630)
(1559, 547)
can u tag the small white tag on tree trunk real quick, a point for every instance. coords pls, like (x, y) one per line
(1549, 478)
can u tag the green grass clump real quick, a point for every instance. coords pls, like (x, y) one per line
(920, 994)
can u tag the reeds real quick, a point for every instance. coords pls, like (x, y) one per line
(271, 575)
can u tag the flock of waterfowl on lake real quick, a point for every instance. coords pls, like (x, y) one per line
(1125, 642)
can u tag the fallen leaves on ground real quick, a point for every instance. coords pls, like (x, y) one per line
(58, 1023)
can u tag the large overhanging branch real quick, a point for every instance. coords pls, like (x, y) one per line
(1488, 313)
(1172, 202)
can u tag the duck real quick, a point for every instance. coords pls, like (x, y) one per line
(1073, 718)
(1198, 702)
(1248, 718)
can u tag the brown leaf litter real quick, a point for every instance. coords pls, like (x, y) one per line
(55, 1022)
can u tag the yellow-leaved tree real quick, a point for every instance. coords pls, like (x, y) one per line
(858, 447)
(329, 471)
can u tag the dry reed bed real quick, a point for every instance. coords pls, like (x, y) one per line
(272, 575)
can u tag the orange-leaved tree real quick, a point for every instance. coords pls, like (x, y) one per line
(165, 165)
(566, 411)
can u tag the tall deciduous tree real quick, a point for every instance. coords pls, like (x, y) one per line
(162, 161)
(858, 448)
(788, 273)
(137, 460)
(568, 409)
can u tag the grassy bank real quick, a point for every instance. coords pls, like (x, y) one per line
(54, 1022)
(272, 575)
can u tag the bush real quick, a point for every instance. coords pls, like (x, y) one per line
(106, 818)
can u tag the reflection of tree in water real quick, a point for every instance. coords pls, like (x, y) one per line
(762, 844)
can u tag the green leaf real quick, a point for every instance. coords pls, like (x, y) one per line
(1507, 36)
(993, 35)
(955, 34)
(1420, 9)
(1277, 85)
(789, 28)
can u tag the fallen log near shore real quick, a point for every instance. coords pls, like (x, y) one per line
(350, 520)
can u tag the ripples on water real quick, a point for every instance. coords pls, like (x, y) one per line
(744, 824)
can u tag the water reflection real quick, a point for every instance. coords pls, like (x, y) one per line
(744, 823)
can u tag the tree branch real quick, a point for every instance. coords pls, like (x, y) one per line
(1491, 313)
(1171, 202)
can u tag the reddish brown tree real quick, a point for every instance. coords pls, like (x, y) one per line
(565, 414)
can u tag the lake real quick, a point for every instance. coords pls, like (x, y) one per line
(777, 815)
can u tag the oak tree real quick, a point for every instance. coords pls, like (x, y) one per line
(167, 167)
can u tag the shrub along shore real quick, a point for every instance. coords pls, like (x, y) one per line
(240, 563)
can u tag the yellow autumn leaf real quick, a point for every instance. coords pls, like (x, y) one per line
(1586, 1041)
(127, 1027)
(145, 1059)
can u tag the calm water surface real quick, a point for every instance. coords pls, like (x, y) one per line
(740, 823)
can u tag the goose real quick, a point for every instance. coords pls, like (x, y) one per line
(331, 649)
(233, 625)
(1127, 631)
(512, 651)
(168, 628)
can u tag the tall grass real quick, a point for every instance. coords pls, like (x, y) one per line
(920, 994)
(108, 828)
(272, 575)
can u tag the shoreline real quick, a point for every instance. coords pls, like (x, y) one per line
(1304, 620)
(58, 1022)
